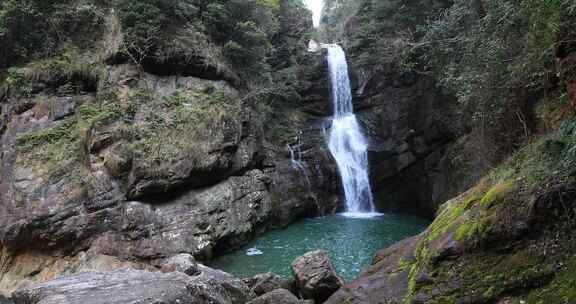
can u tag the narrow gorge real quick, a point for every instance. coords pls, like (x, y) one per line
(287, 151)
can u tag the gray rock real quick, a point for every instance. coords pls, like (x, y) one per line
(404, 120)
(4, 300)
(183, 263)
(223, 216)
(104, 193)
(135, 286)
(315, 276)
(267, 282)
(278, 296)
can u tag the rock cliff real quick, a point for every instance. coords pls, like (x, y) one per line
(112, 161)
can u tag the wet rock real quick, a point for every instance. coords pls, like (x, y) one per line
(135, 286)
(404, 121)
(315, 276)
(267, 282)
(278, 296)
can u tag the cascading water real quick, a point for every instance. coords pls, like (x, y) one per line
(296, 158)
(346, 141)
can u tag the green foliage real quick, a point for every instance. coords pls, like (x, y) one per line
(32, 29)
(478, 50)
(16, 83)
(550, 158)
(389, 27)
(80, 72)
(495, 56)
(236, 33)
(562, 289)
(240, 30)
(142, 22)
(335, 14)
(481, 51)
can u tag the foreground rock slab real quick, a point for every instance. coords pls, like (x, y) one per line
(4, 300)
(267, 282)
(135, 286)
(315, 276)
(277, 296)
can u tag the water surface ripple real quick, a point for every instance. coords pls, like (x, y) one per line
(351, 243)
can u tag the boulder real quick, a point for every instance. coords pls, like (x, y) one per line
(278, 296)
(136, 286)
(182, 263)
(315, 276)
(4, 300)
(267, 282)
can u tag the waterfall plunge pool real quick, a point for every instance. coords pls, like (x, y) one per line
(350, 242)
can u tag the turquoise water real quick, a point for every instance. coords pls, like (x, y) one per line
(350, 242)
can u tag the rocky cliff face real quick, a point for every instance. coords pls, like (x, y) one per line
(408, 122)
(127, 163)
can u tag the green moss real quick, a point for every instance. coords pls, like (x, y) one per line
(412, 276)
(561, 290)
(485, 277)
(487, 274)
(403, 264)
(473, 230)
(497, 194)
(451, 212)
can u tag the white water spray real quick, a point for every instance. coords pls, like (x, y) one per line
(346, 141)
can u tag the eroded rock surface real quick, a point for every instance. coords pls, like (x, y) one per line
(267, 282)
(135, 286)
(315, 276)
(140, 166)
(278, 296)
(4, 300)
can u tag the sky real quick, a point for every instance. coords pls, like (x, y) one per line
(316, 7)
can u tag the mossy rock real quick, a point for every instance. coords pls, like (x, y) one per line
(497, 194)
(561, 290)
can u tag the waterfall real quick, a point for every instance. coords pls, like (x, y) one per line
(346, 141)
(296, 158)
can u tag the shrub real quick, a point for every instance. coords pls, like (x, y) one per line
(495, 56)
(235, 31)
(31, 29)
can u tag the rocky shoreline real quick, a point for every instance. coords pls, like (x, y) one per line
(180, 279)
